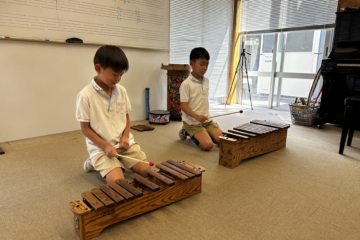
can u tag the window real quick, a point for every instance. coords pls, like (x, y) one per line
(301, 41)
(300, 31)
(297, 60)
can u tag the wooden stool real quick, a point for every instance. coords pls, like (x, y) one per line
(352, 110)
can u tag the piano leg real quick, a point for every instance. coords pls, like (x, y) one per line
(347, 122)
(351, 134)
(351, 126)
(320, 122)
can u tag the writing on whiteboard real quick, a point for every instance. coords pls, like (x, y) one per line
(125, 1)
(137, 15)
(119, 11)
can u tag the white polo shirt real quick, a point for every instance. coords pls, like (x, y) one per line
(107, 116)
(195, 93)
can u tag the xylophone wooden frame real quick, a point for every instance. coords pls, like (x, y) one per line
(89, 223)
(237, 145)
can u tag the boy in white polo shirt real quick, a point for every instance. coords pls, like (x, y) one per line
(102, 108)
(194, 104)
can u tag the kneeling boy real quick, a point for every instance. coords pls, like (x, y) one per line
(194, 104)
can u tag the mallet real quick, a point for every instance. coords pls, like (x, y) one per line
(150, 163)
(241, 111)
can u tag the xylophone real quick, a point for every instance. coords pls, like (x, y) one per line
(249, 140)
(114, 202)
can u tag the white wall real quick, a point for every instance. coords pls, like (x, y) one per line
(39, 83)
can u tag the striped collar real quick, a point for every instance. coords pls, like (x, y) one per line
(114, 93)
(192, 78)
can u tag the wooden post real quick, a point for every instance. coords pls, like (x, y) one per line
(234, 53)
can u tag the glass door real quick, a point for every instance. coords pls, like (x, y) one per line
(282, 66)
(299, 59)
(257, 54)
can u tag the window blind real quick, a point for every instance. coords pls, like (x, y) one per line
(207, 24)
(262, 16)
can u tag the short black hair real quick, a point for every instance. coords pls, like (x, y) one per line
(199, 52)
(111, 56)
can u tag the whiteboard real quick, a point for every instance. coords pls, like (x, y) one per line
(129, 23)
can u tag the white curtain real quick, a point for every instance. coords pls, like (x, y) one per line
(208, 24)
(261, 16)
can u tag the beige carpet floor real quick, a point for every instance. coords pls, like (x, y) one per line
(305, 191)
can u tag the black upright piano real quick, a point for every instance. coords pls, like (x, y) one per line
(341, 71)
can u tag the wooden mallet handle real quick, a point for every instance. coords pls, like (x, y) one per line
(241, 111)
(150, 163)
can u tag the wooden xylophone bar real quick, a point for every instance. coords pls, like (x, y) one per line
(249, 140)
(114, 202)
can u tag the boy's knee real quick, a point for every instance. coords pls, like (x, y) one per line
(112, 179)
(206, 146)
(113, 175)
(140, 168)
(215, 140)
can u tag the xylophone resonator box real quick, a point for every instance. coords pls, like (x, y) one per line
(249, 140)
(114, 202)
